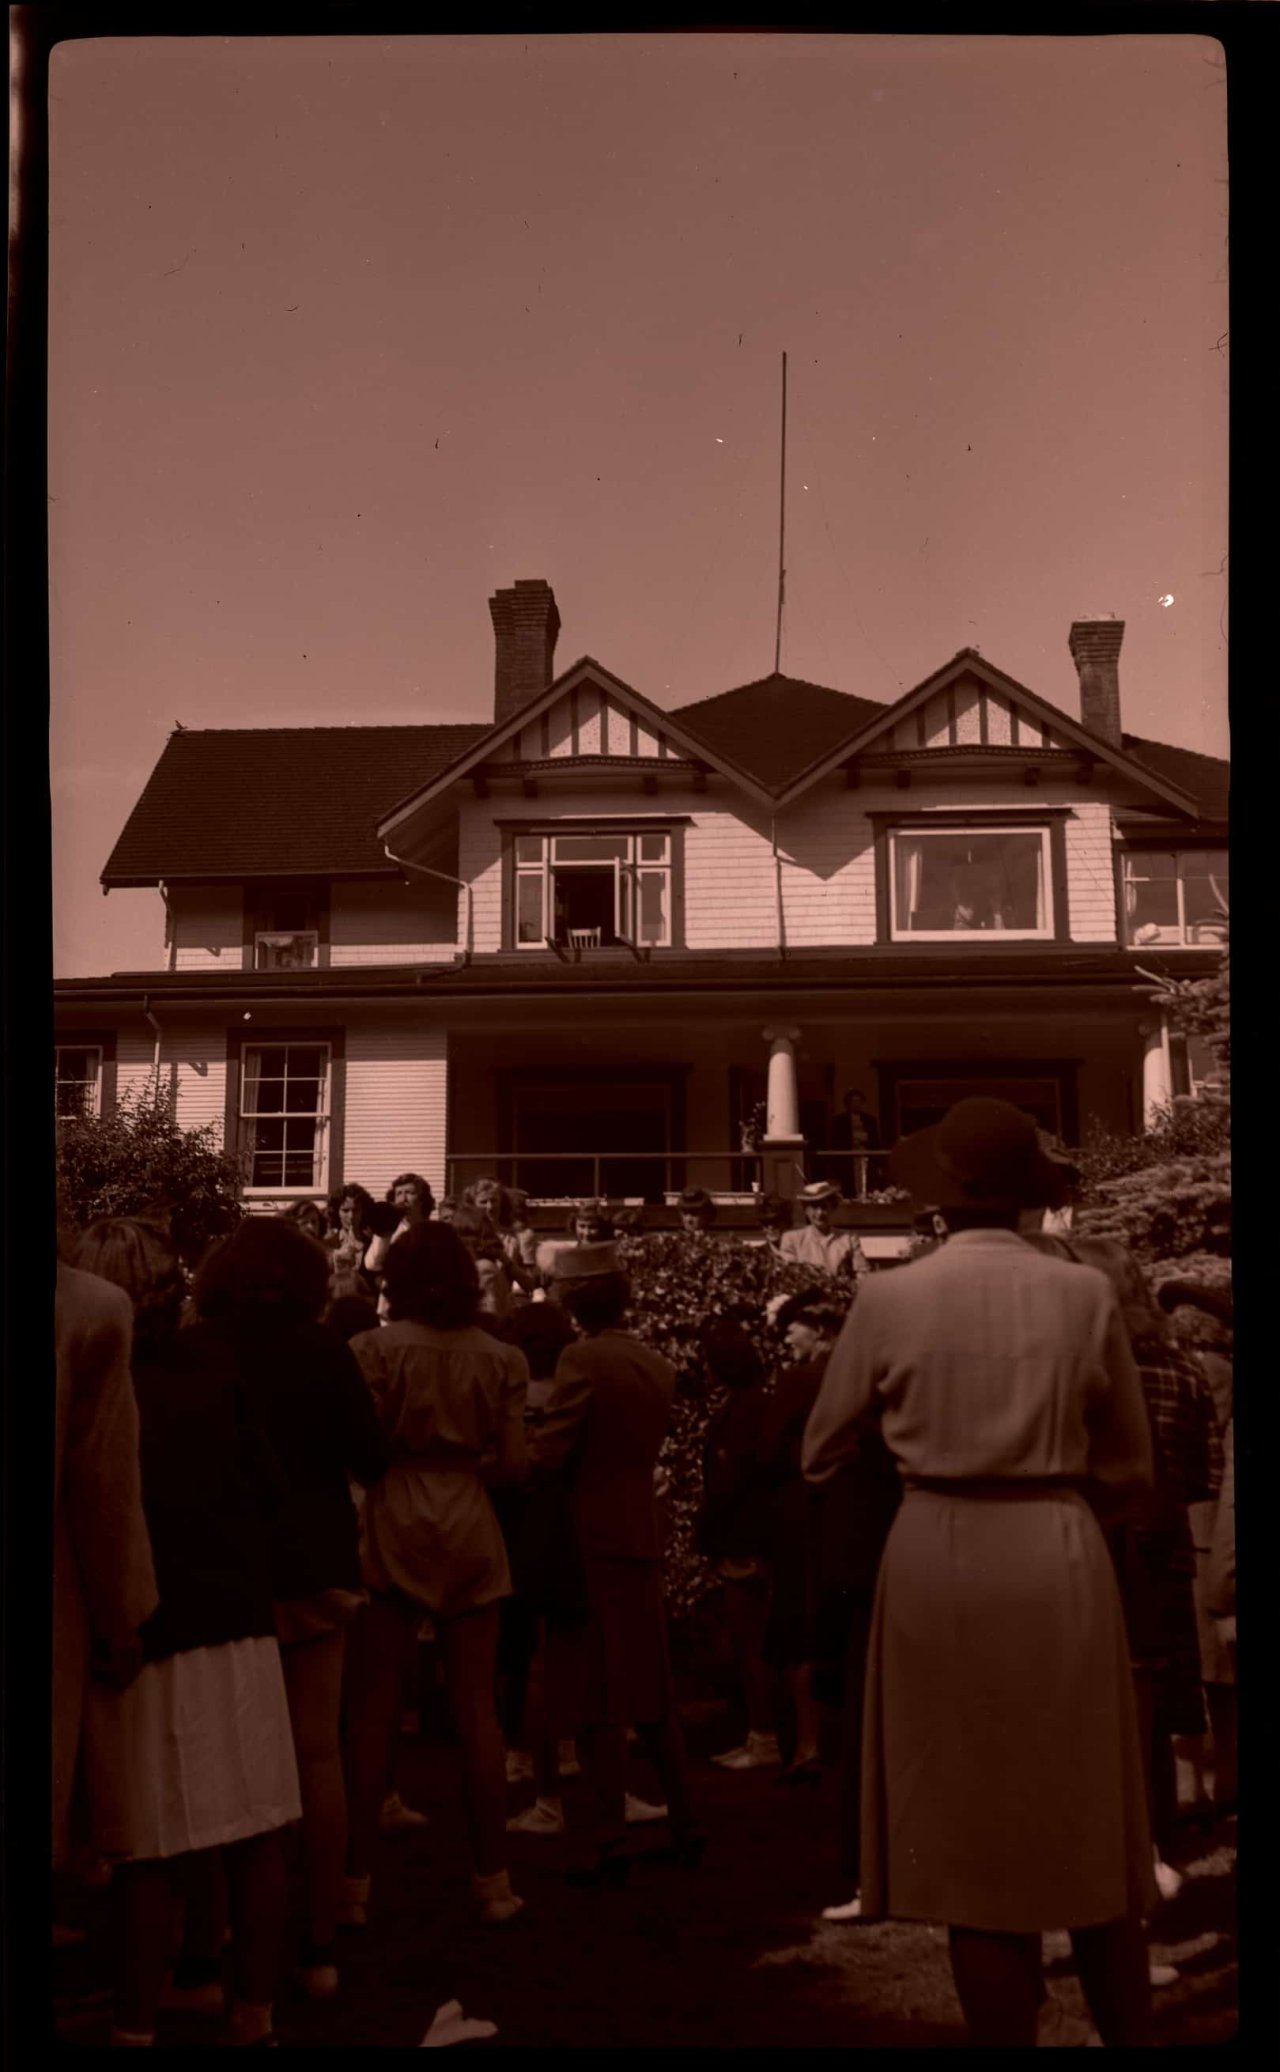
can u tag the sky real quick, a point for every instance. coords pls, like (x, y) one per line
(347, 333)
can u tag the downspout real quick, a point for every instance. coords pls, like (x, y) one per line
(170, 928)
(777, 885)
(148, 1016)
(449, 879)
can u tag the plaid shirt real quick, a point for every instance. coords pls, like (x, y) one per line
(1184, 1424)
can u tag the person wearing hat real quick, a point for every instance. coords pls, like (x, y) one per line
(603, 1424)
(1002, 1777)
(819, 1243)
(697, 1211)
(774, 1213)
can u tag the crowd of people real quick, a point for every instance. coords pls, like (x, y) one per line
(960, 1528)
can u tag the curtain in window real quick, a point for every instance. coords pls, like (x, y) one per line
(910, 879)
(252, 1079)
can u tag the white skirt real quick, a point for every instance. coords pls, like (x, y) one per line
(196, 1753)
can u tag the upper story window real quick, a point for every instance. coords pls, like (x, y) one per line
(948, 881)
(587, 891)
(1175, 896)
(77, 1080)
(286, 927)
(285, 949)
(284, 1108)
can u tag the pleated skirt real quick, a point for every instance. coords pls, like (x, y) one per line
(198, 1752)
(1002, 1777)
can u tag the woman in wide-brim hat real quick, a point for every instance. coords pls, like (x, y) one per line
(1003, 1788)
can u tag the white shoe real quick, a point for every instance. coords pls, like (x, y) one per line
(1163, 1975)
(1169, 1882)
(758, 1752)
(639, 1812)
(494, 1898)
(396, 1818)
(519, 1766)
(543, 1817)
(850, 1911)
(567, 1760)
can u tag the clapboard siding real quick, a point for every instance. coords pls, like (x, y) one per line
(208, 927)
(396, 1101)
(1091, 884)
(392, 923)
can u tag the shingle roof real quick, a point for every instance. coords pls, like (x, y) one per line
(1205, 777)
(775, 727)
(278, 801)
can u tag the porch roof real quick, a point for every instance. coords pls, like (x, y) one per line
(506, 974)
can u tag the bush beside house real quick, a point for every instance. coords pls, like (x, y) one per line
(138, 1162)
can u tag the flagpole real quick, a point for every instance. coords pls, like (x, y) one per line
(782, 524)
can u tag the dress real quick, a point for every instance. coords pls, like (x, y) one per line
(1002, 1772)
(837, 1252)
(445, 1401)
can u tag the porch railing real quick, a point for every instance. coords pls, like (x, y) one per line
(661, 1175)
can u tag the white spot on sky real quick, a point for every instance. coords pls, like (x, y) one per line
(1167, 600)
(719, 442)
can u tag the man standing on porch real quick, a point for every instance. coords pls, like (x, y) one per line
(820, 1243)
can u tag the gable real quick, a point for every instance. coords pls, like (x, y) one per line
(588, 719)
(969, 713)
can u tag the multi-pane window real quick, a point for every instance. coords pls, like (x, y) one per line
(1175, 896)
(281, 949)
(590, 890)
(965, 881)
(77, 1079)
(284, 1105)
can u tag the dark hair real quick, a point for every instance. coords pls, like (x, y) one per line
(303, 1213)
(812, 1306)
(384, 1220)
(854, 1093)
(728, 1354)
(774, 1208)
(426, 1199)
(268, 1272)
(496, 1205)
(431, 1276)
(597, 1212)
(518, 1199)
(704, 1210)
(542, 1331)
(349, 1315)
(362, 1199)
(980, 1216)
(599, 1303)
(138, 1257)
(628, 1223)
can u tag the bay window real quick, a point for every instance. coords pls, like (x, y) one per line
(591, 890)
(1175, 896)
(284, 1112)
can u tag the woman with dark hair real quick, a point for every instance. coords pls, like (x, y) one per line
(350, 1229)
(264, 1288)
(308, 1217)
(450, 1399)
(197, 1754)
(697, 1211)
(604, 1423)
(809, 1323)
(412, 1195)
(1003, 1783)
(733, 1528)
(590, 1223)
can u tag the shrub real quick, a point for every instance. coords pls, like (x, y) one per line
(137, 1161)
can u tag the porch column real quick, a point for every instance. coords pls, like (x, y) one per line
(1157, 1071)
(783, 1144)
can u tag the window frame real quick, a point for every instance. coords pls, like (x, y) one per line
(1049, 822)
(236, 1130)
(263, 936)
(1132, 852)
(85, 1112)
(261, 900)
(104, 1042)
(669, 827)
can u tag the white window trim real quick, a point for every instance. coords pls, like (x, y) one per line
(264, 936)
(944, 826)
(630, 871)
(1164, 942)
(319, 1182)
(93, 1109)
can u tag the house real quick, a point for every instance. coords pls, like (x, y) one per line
(580, 944)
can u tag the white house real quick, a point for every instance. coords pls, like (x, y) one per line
(580, 944)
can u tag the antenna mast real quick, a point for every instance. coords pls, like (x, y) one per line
(782, 524)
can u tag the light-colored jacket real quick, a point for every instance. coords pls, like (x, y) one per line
(104, 1584)
(837, 1252)
(986, 1358)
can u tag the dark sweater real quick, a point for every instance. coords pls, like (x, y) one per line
(318, 1417)
(210, 1488)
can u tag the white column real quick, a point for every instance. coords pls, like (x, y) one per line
(1157, 1071)
(782, 1100)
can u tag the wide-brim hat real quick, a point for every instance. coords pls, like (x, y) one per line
(818, 1191)
(585, 1262)
(694, 1198)
(984, 1154)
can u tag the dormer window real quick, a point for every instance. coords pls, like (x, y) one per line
(286, 927)
(593, 889)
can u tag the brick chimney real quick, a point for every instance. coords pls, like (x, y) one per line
(1095, 650)
(525, 626)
